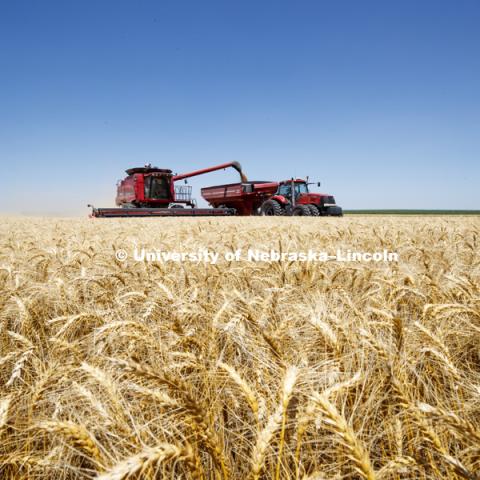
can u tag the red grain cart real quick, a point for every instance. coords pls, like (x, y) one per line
(245, 197)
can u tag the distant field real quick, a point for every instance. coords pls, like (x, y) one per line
(281, 370)
(412, 212)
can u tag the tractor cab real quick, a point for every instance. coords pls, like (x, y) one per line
(298, 186)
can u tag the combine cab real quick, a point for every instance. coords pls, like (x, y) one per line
(149, 187)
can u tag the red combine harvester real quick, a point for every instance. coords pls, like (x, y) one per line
(150, 191)
(290, 197)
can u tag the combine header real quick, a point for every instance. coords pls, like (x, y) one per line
(160, 212)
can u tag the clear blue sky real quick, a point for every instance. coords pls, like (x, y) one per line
(379, 100)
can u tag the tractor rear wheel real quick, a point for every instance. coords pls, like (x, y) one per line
(313, 210)
(272, 208)
(301, 210)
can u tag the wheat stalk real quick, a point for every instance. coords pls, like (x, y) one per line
(4, 411)
(196, 411)
(75, 434)
(336, 422)
(152, 457)
(461, 425)
(244, 387)
(275, 422)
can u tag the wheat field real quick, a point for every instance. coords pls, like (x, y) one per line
(239, 370)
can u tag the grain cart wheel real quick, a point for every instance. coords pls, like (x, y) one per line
(313, 210)
(301, 210)
(272, 208)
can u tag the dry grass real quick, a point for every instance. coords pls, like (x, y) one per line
(276, 370)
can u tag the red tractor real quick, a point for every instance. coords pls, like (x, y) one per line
(294, 198)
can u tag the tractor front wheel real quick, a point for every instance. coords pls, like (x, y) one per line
(272, 208)
(301, 210)
(314, 212)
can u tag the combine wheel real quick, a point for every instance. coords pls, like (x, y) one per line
(272, 208)
(313, 210)
(301, 210)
